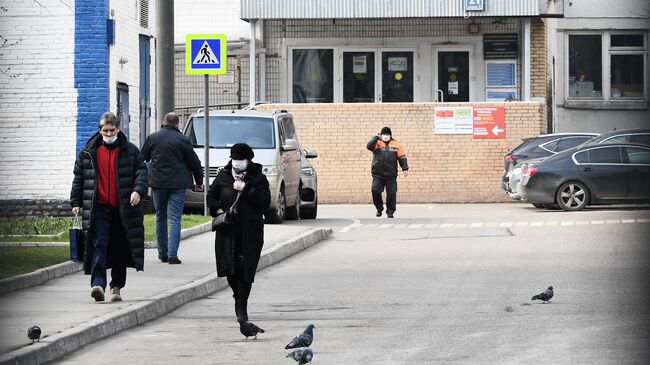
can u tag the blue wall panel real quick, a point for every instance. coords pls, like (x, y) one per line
(91, 67)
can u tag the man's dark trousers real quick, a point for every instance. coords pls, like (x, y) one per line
(378, 186)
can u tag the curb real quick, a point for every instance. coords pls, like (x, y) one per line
(65, 342)
(43, 275)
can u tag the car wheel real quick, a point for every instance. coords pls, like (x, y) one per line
(572, 196)
(277, 215)
(310, 213)
(539, 205)
(293, 213)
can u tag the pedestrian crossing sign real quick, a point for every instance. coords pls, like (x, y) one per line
(205, 54)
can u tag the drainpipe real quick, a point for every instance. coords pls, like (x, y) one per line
(525, 62)
(262, 73)
(252, 54)
(164, 59)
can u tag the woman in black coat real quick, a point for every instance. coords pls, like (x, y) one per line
(239, 245)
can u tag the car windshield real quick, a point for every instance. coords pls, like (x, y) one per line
(225, 131)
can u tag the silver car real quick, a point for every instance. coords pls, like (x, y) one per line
(272, 137)
(308, 186)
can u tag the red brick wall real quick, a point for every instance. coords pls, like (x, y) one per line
(443, 168)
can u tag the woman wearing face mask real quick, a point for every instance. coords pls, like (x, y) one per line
(238, 247)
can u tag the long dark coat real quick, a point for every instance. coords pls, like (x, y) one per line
(247, 230)
(131, 176)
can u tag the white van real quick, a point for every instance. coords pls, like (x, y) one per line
(272, 137)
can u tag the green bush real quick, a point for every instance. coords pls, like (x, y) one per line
(34, 226)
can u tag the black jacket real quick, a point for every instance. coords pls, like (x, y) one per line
(173, 161)
(131, 176)
(385, 158)
(245, 236)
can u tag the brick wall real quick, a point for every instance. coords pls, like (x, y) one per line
(443, 168)
(38, 101)
(538, 67)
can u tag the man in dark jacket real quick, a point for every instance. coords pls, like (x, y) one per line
(387, 152)
(238, 247)
(110, 178)
(173, 162)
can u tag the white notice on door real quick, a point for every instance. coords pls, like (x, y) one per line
(359, 64)
(453, 88)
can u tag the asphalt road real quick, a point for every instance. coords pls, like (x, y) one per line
(438, 284)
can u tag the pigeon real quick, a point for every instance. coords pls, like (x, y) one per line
(302, 340)
(544, 296)
(249, 329)
(302, 355)
(34, 333)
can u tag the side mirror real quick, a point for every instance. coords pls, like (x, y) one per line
(290, 145)
(310, 153)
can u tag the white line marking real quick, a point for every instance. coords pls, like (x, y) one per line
(385, 225)
(356, 224)
(446, 225)
(568, 223)
(506, 224)
(597, 222)
(476, 225)
(415, 225)
(536, 224)
(627, 220)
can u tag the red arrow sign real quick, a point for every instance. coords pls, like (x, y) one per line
(489, 122)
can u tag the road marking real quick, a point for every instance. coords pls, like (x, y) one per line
(357, 223)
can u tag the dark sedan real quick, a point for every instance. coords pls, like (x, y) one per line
(590, 175)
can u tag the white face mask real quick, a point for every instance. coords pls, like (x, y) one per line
(110, 140)
(239, 165)
(385, 137)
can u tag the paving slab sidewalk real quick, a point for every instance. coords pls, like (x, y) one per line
(70, 318)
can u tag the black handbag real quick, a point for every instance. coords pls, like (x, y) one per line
(224, 220)
(77, 245)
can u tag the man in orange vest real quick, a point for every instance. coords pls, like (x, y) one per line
(387, 152)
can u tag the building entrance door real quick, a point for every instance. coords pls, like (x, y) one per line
(454, 75)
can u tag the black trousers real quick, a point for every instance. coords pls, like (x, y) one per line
(378, 186)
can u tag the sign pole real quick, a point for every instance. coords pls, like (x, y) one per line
(206, 144)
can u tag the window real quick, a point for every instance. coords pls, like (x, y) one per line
(605, 155)
(642, 138)
(581, 157)
(226, 131)
(607, 66)
(638, 156)
(585, 66)
(570, 142)
(313, 75)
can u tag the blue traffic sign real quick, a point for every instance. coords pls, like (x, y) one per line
(474, 5)
(205, 54)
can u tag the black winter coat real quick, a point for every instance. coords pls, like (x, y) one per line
(173, 161)
(131, 176)
(246, 235)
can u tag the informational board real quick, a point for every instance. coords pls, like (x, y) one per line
(226, 78)
(501, 74)
(489, 122)
(453, 120)
(474, 5)
(205, 54)
(359, 64)
(500, 46)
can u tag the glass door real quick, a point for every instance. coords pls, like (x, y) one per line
(358, 77)
(396, 76)
(453, 75)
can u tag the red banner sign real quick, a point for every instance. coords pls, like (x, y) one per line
(489, 122)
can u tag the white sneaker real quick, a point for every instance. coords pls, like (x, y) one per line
(97, 292)
(115, 295)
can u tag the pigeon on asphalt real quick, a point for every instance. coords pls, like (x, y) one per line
(302, 355)
(302, 340)
(544, 296)
(34, 333)
(249, 329)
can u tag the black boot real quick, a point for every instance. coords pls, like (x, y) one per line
(241, 312)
